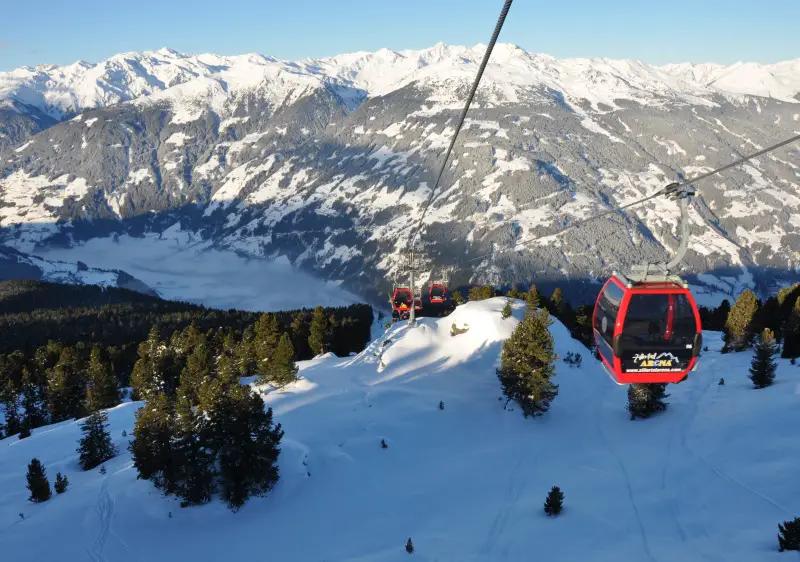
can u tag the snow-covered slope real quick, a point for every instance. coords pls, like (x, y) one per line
(707, 480)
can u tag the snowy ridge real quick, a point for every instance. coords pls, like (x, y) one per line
(63, 90)
(698, 482)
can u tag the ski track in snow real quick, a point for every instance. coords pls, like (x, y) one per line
(516, 484)
(629, 488)
(695, 401)
(105, 511)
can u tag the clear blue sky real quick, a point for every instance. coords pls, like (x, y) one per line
(660, 31)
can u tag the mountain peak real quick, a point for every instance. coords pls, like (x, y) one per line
(74, 88)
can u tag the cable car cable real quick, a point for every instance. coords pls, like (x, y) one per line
(484, 62)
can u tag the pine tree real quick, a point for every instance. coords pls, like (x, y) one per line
(66, 389)
(61, 483)
(556, 304)
(789, 535)
(282, 369)
(409, 546)
(527, 365)
(300, 332)
(318, 332)
(644, 400)
(481, 292)
(103, 391)
(44, 359)
(740, 319)
(38, 484)
(266, 335)
(9, 399)
(154, 370)
(763, 365)
(554, 501)
(513, 293)
(248, 453)
(151, 447)
(791, 333)
(244, 356)
(458, 298)
(193, 460)
(199, 366)
(33, 402)
(506, 310)
(95, 446)
(533, 300)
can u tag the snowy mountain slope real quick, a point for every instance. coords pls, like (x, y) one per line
(16, 265)
(780, 80)
(329, 162)
(707, 480)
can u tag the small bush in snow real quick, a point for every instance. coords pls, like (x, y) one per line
(573, 359)
(793, 361)
(383, 444)
(721, 382)
(386, 342)
(506, 310)
(61, 483)
(554, 502)
(124, 433)
(102, 469)
(456, 331)
(441, 405)
(409, 546)
(705, 348)
(644, 400)
(25, 432)
(789, 536)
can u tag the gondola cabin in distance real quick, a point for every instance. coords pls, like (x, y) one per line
(647, 332)
(438, 293)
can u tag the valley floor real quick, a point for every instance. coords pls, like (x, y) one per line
(181, 268)
(709, 479)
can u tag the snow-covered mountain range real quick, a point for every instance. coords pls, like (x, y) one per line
(329, 161)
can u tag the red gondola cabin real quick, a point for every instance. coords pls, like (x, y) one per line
(438, 293)
(647, 332)
(402, 300)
